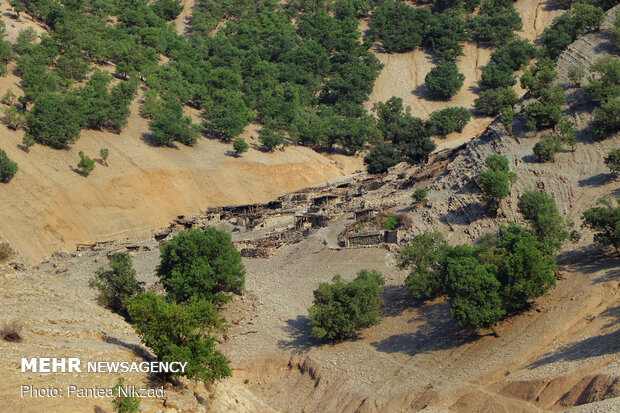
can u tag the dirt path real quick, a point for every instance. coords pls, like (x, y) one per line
(183, 19)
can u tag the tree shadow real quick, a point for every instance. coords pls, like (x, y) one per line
(301, 340)
(591, 347)
(465, 214)
(438, 332)
(136, 349)
(531, 158)
(423, 92)
(598, 180)
(592, 258)
(396, 299)
(79, 171)
(231, 153)
(150, 141)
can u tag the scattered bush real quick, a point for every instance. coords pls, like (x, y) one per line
(612, 160)
(8, 168)
(419, 195)
(342, 308)
(201, 263)
(240, 146)
(576, 73)
(6, 251)
(104, 153)
(390, 223)
(124, 404)
(546, 148)
(11, 331)
(183, 333)
(116, 285)
(444, 80)
(86, 164)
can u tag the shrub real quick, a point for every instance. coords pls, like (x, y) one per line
(182, 333)
(343, 308)
(449, 120)
(612, 160)
(381, 158)
(576, 73)
(11, 331)
(6, 251)
(124, 404)
(419, 195)
(116, 285)
(506, 117)
(567, 132)
(492, 101)
(28, 142)
(86, 164)
(270, 139)
(240, 146)
(444, 80)
(201, 263)
(104, 153)
(13, 118)
(605, 221)
(546, 148)
(390, 223)
(8, 168)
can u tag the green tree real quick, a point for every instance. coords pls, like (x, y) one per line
(612, 160)
(506, 117)
(444, 80)
(587, 16)
(473, 292)
(56, 120)
(491, 102)
(607, 118)
(9, 98)
(13, 118)
(567, 132)
(199, 263)
(104, 153)
(604, 83)
(240, 146)
(497, 76)
(381, 158)
(342, 308)
(525, 272)
(605, 221)
(181, 333)
(496, 180)
(86, 164)
(124, 404)
(226, 114)
(399, 26)
(169, 124)
(28, 142)
(8, 168)
(419, 195)
(576, 73)
(424, 256)
(390, 222)
(449, 120)
(116, 285)
(546, 148)
(541, 211)
(270, 139)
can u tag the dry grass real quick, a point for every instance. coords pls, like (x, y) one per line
(6, 251)
(11, 331)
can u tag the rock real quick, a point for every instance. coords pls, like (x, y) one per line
(183, 401)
